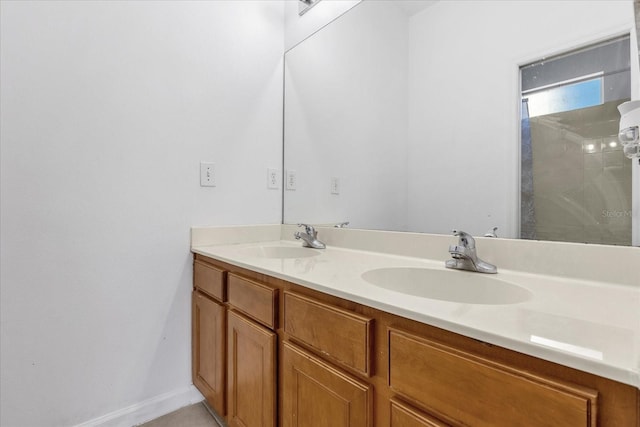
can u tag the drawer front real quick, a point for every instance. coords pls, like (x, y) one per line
(254, 299)
(403, 415)
(209, 280)
(477, 392)
(344, 336)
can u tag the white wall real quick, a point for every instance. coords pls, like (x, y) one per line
(463, 80)
(107, 110)
(346, 117)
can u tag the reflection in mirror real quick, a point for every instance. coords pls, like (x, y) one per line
(576, 181)
(407, 118)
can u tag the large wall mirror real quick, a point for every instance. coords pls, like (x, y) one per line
(406, 116)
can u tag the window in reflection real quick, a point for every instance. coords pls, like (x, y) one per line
(575, 180)
(565, 97)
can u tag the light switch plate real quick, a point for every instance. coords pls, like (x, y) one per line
(273, 179)
(207, 174)
(292, 180)
(335, 185)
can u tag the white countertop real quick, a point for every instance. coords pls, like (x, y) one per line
(587, 325)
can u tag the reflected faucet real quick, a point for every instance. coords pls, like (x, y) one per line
(492, 232)
(465, 257)
(309, 237)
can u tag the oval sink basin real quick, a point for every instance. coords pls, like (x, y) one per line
(279, 252)
(448, 285)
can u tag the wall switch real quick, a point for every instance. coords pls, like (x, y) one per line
(273, 179)
(292, 181)
(335, 185)
(207, 175)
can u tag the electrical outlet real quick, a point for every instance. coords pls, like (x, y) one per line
(335, 185)
(292, 180)
(273, 179)
(207, 174)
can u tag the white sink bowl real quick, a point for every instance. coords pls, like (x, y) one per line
(448, 285)
(279, 252)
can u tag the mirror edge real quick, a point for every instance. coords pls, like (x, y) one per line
(636, 28)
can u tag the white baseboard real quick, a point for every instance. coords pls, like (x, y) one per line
(147, 409)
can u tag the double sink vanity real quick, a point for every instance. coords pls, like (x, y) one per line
(373, 330)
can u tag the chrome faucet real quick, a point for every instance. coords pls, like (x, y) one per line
(492, 232)
(465, 257)
(342, 225)
(309, 237)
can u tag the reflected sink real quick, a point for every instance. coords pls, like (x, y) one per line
(279, 252)
(448, 285)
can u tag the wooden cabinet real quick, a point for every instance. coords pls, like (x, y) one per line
(251, 353)
(208, 331)
(315, 394)
(315, 391)
(251, 370)
(475, 391)
(346, 364)
(208, 362)
(403, 415)
(209, 280)
(340, 335)
(254, 299)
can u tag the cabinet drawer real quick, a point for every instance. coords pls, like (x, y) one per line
(344, 336)
(209, 279)
(478, 392)
(254, 299)
(403, 415)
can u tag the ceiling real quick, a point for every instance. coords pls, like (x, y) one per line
(411, 7)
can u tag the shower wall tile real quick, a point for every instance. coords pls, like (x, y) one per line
(582, 184)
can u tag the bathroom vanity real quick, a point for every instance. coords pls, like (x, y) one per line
(291, 336)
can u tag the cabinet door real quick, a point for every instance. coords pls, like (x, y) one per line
(403, 415)
(315, 394)
(481, 393)
(208, 350)
(251, 370)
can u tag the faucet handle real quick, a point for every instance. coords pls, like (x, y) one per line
(465, 239)
(491, 233)
(342, 224)
(309, 229)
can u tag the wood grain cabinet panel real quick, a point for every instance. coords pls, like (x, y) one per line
(315, 394)
(251, 372)
(342, 335)
(477, 392)
(340, 368)
(254, 299)
(209, 280)
(208, 350)
(403, 415)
